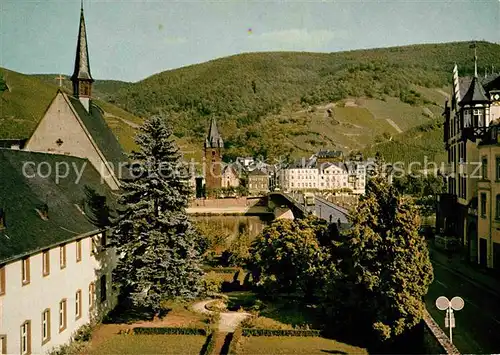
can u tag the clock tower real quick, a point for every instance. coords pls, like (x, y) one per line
(212, 160)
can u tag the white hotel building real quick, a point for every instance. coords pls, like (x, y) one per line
(307, 175)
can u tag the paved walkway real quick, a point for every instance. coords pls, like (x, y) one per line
(228, 320)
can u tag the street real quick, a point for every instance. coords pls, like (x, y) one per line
(478, 323)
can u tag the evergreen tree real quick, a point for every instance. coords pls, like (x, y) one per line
(156, 243)
(386, 267)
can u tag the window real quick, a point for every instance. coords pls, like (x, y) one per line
(484, 168)
(25, 271)
(497, 168)
(477, 117)
(483, 205)
(78, 250)
(46, 263)
(62, 256)
(3, 344)
(45, 326)
(78, 304)
(103, 288)
(2, 280)
(62, 315)
(467, 118)
(91, 295)
(26, 338)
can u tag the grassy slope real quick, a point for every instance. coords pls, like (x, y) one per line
(260, 98)
(23, 105)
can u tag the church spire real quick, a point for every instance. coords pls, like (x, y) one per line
(81, 78)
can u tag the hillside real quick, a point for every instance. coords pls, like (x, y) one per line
(24, 99)
(274, 104)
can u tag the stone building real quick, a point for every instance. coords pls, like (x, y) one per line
(475, 105)
(258, 182)
(212, 160)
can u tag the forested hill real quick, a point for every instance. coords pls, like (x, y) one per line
(255, 92)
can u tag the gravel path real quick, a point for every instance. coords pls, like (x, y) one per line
(228, 320)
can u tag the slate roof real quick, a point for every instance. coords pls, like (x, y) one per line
(475, 93)
(100, 132)
(257, 172)
(214, 139)
(82, 65)
(21, 194)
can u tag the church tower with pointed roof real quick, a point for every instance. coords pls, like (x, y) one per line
(213, 149)
(82, 79)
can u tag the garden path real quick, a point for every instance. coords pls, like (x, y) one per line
(228, 320)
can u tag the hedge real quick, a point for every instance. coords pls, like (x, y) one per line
(209, 345)
(170, 330)
(235, 341)
(248, 332)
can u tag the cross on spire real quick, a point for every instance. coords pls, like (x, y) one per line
(60, 78)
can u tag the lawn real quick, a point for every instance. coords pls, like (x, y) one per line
(295, 345)
(150, 344)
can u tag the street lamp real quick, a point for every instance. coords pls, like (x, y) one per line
(456, 304)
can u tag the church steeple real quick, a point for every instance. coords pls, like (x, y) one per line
(81, 78)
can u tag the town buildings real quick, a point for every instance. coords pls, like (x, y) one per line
(325, 176)
(468, 210)
(55, 265)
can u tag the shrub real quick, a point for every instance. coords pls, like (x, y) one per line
(212, 283)
(235, 341)
(247, 332)
(170, 331)
(209, 345)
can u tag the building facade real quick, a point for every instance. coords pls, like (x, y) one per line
(55, 266)
(258, 182)
(474, 107)
(309, 175)
(230, 177)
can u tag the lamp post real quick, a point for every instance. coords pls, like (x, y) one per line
(456, 304)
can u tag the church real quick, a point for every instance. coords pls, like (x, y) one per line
(55, 265)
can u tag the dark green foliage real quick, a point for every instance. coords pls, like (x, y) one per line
(288, 257)
(3, 84)
(159, 256)
(170, 331)
(243, 90)
(248, 332)
(424, 188)
(386, 268)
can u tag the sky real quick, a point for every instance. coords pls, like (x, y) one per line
(131, 40)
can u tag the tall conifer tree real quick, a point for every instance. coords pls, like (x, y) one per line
(157, 247)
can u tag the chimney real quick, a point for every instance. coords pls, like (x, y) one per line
(2, 219)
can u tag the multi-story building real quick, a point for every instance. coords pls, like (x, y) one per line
(55, 268)
(258, 182)
(475, 105)
(309, 175)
